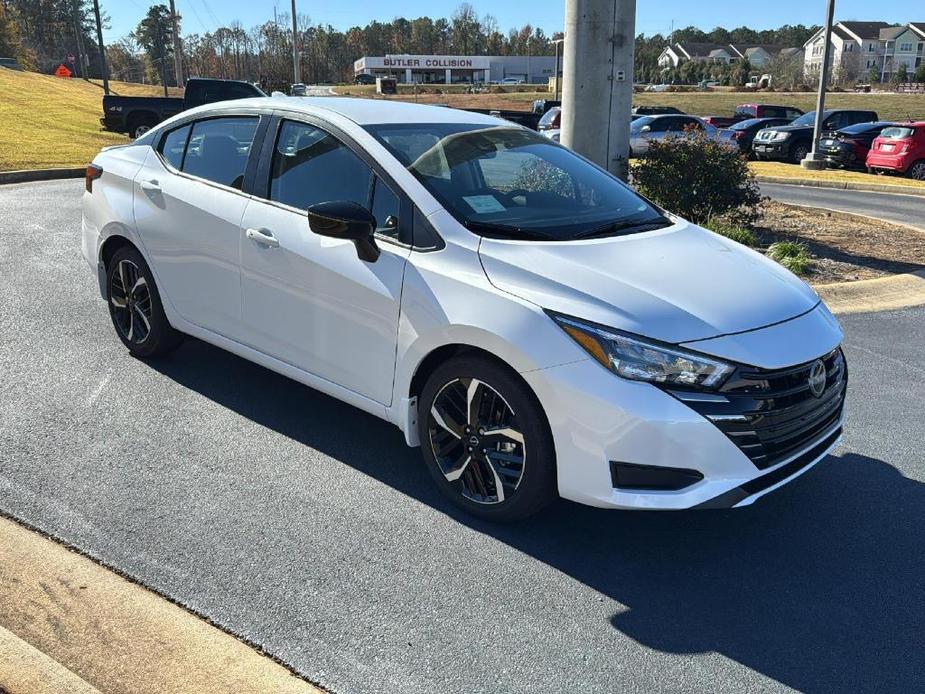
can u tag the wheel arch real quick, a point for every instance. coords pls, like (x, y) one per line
(112, 244)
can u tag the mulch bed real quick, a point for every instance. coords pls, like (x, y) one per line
(844, 247)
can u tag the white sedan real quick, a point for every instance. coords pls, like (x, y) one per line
(528, 320)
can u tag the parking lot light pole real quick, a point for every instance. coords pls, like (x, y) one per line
(597, 81)
(558, 74)
(296, 66)
(815, 160)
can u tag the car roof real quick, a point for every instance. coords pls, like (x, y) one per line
(364, 111)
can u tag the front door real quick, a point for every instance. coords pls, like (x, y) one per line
(309, 300)
(188, 210)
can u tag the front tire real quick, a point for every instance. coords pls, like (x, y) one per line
(798, 152)
(486, 441)
(135, 306)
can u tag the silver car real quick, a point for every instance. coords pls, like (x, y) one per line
(648, 128)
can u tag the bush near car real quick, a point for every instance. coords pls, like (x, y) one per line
(699, 179)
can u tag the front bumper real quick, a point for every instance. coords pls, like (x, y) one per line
(772, 150)
(717, 449)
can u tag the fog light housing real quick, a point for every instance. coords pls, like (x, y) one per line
(633, 477)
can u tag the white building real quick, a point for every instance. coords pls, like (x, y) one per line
(725, 54)
(450, 69)
(858, 47)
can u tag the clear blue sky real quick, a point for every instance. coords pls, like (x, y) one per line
(653, 16)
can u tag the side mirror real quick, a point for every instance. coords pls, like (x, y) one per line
(348, 221)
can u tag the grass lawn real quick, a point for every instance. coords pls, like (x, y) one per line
(770, 168)
(50, 122)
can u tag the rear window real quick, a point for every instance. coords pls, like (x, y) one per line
(897, 133)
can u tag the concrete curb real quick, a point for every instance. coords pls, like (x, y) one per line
(29, 175)
(881, 294)
(73, 625)
(843, 185)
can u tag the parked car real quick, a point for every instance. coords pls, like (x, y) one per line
(364, 79)
(551, 120)
(751, 111)
(656, 110)
(793, 142)
(497, 297)
(136, 115)
(10, 64)
(298, 89)
(848, 147)
(648, 128)
(509, 80)
(742, 134)
(900, 149)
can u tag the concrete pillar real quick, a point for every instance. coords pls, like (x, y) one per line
(407, 75)
(597, 80)
(448, 74)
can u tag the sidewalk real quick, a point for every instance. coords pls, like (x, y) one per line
(68, 625)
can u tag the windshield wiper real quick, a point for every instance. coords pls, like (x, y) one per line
(619, 228)
(495, 230)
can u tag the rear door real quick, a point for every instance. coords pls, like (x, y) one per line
(309, 300)
(188, 209)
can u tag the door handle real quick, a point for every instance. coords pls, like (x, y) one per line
(264, 238)
(151, 185)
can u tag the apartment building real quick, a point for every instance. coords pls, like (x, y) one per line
(726, 54)
(859, 47)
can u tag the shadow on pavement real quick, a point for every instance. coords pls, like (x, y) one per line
(818, 586)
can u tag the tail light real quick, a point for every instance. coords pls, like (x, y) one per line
(93, 173)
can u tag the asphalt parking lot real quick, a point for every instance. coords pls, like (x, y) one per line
(308, 528)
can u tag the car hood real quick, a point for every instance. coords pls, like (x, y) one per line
(678, 284)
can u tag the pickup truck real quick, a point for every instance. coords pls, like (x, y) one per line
(136, 115)
(749, 111)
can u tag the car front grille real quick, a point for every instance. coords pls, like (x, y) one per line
(772, 414)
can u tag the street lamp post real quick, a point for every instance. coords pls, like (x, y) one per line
(558, 42)
(815, 160)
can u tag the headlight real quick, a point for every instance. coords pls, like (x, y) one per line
(638, 359)
(779, 136)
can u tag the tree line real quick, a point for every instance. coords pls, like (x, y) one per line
(41, 33)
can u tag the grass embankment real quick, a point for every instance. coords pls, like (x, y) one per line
(791, 171)
(50, 122)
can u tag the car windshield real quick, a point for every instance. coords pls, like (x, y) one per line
(805, 119)
(640, 121)
(897, 133)
(514, 183)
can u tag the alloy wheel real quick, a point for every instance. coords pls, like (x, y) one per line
(141, 130)
(131, 302)
(917, 172)
(476, 442)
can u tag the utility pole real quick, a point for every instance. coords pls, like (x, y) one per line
(815, 159)
(296, 67)
(597, 93)
(177, 48)
(99, 41)
(558, 75)
(79, 39)
(162, 59)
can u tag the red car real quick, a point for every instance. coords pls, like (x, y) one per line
(900, 149)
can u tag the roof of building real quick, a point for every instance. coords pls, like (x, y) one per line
(918, 27)
(864, 30)
(701, 50)
(892, 32)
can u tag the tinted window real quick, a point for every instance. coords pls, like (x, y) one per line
(385, 209)
(312, 166)
(232, 90)
(218, 149)
(174, 145)
(511, 182)
(745, 112)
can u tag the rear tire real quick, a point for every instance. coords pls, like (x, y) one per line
(139, 126)
(483, 430)
(135, 306)
(917, 171)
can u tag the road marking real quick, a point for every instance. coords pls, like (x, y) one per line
(66, 619)
(99, 389)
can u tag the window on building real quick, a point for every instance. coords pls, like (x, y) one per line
(906, 47)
